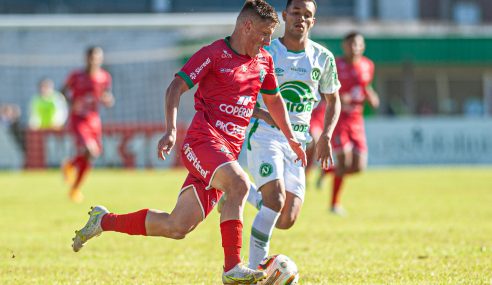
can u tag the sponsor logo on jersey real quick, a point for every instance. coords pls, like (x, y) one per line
(279, 71)
(262, 74)
(238, 111)
(244, 100)
(298, 96)
(241, 110)
(244, 68)
(191, 156)
(225, 54)
(199, 69)
(225, 70)
(231, 128)
(315, 74)
(266, 169)
(299, 70)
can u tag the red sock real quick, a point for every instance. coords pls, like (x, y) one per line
(132, 223)
(232, 240)
(76, 160)
(83, 165)
(337, 187)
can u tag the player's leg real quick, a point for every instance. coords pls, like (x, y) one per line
(295, 185)
(273, 194)
(88, 136)
(186, 215)
(265, 163)
(343, 158)
(290, 211)
(232, 179)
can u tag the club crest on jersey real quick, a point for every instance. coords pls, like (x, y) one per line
(226, 54)
(315, 74)
(266, 169)
(262, 74)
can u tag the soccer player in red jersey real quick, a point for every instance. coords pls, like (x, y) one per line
(355, 72)
(85, 89)
(230, 72)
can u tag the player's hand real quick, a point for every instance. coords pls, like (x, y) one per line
(107, 99)
(165, 144)
(324, 152)
(297, 148)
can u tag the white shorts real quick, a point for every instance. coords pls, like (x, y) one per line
(270, 157)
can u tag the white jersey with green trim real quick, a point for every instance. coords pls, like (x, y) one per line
(301, 77)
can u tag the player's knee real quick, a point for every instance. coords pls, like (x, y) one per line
(179, 231)
(286, 222)
(274, 201)
(238, 187)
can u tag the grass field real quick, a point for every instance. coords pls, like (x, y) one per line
(406, 226)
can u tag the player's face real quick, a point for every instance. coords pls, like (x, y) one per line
(299, 17)
(354, 47)
(259, 35)
(95, 59)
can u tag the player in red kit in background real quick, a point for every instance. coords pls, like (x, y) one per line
(85, 89)
(355, 72)
(230, 72)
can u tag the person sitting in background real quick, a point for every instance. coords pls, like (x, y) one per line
(48, 108)
(10, 117)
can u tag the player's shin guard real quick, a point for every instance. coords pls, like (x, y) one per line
(254, 196)
(261, 233)
(132, 223)
(232, 240)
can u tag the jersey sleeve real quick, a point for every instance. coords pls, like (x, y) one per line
(70, 80)
(197, 67)
(329, 82)
(270, 85)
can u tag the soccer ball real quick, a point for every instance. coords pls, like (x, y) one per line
(280, 270)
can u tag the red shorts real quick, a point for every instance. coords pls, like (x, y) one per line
(202, 159)
(347, 136)
(87, 131)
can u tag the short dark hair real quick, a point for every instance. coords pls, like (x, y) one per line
(90, 50)
(261, 9)
(351, 36)
(290, 2)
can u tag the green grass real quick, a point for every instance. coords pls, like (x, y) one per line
(406, 226)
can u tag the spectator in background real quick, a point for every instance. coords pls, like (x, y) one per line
(10, 117)
(48, 108)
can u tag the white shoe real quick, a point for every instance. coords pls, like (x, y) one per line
(91, 229)
(338, 210)
(241, 274)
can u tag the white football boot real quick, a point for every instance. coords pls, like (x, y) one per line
(91, 229)
(241, 274)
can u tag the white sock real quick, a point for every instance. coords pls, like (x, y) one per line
(261, 232)
(254, 196)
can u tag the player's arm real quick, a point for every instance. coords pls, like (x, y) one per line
(173, 94)
(263, 114)
(323, 146)
(278, 112)
(372, 97)
(107, 98)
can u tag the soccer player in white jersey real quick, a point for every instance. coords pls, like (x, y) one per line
(305, 71)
